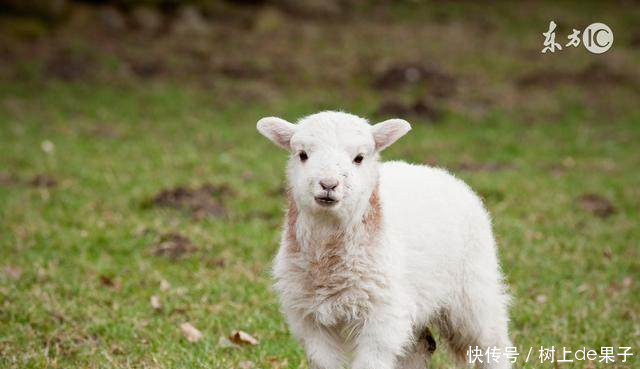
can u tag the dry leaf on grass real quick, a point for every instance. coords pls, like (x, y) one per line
(155, 302)
(246, 364)
(164, 285)
(541, 299)
(242, 338)
(109, 282)
(224, 342)
(277, 363)
(190, 332)
(582, 288)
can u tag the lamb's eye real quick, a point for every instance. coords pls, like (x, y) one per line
(303, 156)
(358, 159)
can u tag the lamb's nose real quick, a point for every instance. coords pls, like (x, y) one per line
(329, 184)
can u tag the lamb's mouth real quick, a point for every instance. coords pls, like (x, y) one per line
(326, 200)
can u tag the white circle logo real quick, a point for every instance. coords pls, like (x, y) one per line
(597, 38)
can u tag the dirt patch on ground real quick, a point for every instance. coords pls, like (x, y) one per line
(103, 131)
(38, 181)
(70, 66)
(419, 108)
(241, 71)
(173, 246)
(43, 181)
(439, 83)
(147, 68)
(246, 52)
(596, 204)
(635, 40)
(204, 201)
(7, 179)
(595, 74)
(216, 262)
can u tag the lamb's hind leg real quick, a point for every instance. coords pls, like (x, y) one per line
(419, 354)
(479, 323)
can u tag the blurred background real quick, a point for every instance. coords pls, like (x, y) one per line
(139, 208)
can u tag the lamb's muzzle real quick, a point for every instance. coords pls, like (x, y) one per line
(326, 200)
(373, 254)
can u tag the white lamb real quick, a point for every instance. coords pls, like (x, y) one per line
(373, 254)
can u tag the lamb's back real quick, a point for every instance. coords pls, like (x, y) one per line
(429, 209)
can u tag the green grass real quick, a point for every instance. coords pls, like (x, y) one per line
(77, 274)
(58, 313)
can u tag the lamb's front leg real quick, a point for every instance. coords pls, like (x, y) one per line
(382, 339)
(322, 349)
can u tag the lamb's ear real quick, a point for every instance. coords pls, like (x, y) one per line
(277, 130)
(387, 132)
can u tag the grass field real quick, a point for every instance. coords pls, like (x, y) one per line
(84, 245)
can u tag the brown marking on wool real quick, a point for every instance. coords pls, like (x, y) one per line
(322, 275)
(373, 218)
(293, 246)
(323, 271)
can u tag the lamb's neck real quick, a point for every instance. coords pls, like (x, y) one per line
(312, 235)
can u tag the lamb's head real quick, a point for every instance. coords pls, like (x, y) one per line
(333, 167)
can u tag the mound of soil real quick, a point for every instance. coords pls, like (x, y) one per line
(596, 74)
(204, 201)
(596, 204)
(441, 84)
(420, 108)
(43, 181)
